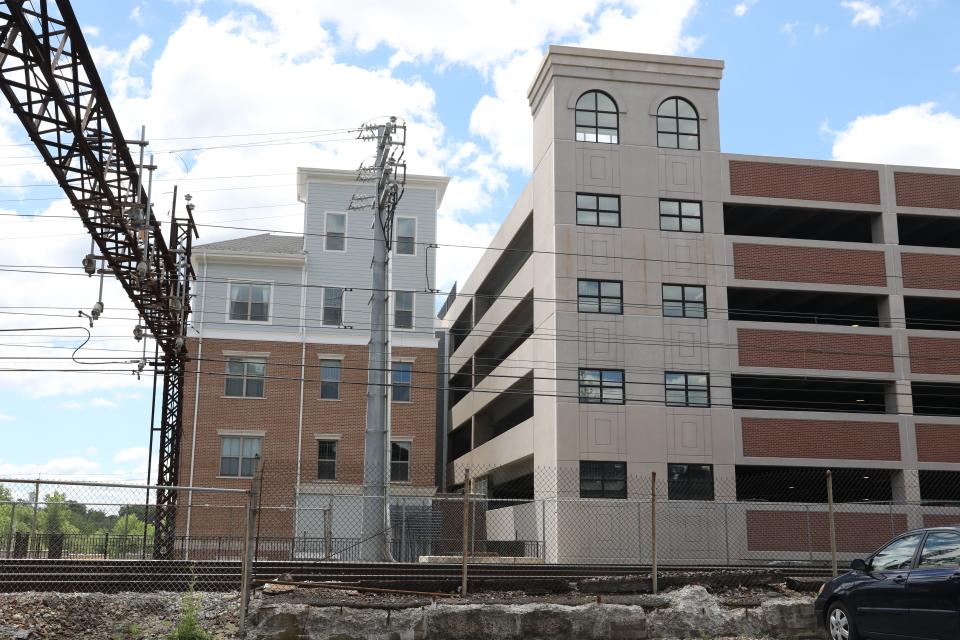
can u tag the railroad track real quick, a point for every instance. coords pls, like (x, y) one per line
(153, 575)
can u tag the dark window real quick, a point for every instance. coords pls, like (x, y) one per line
(603, 479)
(690, 481)
(330, 379)
(809, 484)
(245, 377)
(249, 302)
(336, 232)
(403, 310)
(684, 301)
(595, 210)
(677, 125)
(402, 379)
(687, 389)
(238, 455)
(326, 459)
(597, 119)
(399, 462)
(940, 549)
(601, 386)
(332, 306)
(681, 215)
(600, 296)
(936, 399)
(406, 236)
(896, 556)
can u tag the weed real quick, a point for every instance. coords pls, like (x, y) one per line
(188, 626)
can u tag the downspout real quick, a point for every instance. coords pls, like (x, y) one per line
(196, 405)
(303, 365)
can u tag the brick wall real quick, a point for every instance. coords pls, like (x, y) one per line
(941, 520)
(814, 350)
(277, 415)
(929, 190)
(809, 264)
(930, 271)
(834, 439)
(938, 442)
(788, 530)
(804, 182)
(935, 355)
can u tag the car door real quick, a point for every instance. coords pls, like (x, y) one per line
(933, 588)
(879, 602)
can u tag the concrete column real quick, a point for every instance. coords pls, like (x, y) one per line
(906, 488)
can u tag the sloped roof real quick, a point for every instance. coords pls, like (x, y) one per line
(261, 243)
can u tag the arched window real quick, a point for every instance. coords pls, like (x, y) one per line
(597, 119)
(677, 125)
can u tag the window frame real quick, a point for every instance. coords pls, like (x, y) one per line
(599, 298)
(596, 111)
(586, 399)
(923, 545)
(326, 231)
(680, 217)
(244, 377)
(686, 387)
(674, 487)
(603, 493)
(407, 464)
(251, 283)
(240, 457)
(413, 241)
(596, 211)
(339, 367)
(412, 310)
(676, 119)
(683, 302)
(323, 305)
(336, 445)
(394, 385)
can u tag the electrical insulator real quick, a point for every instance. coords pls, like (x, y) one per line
(178, 344)
(142, 269)
(138, 333)
(141, 364)
(175, 305)
(96, 311)
(89, 264)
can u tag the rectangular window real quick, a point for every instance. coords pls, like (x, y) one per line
(332, 306)
(326, 459)
(336, 232)
(690, 481)
(406, 236)
(600, 296)
(687, 389)
(245, 377)
(603, 479)
(403, 310)
(601, 386)
(681, 215)
(249, 301)
(684, 301)
(399, 462)
(238, 455)
(402, 380)
(598, 211)
(330, 379)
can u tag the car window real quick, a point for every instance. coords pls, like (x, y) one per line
(940, 549)
(897, 555)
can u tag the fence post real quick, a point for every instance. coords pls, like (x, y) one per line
(13, 526)
(328, 532)
(106, 544)
(806, 509)
(249, 544)
(653, 530)
(36, 507)
(543, 527)
(832, 524)
(726, 529)
(466, 531)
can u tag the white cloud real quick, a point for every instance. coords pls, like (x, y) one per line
(956, 69)
(103, 403)
(864, 12)
(4, 417)
(912, 135)
(789, 29)
(64, 467)
(90, 31)
(133, 454)
(819, 30)
(742, 7)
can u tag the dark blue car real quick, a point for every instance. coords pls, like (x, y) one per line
(910, 588)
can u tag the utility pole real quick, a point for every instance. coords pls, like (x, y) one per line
(387, 175)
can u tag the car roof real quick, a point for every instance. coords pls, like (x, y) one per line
(948, 527)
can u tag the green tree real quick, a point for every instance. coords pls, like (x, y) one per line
(56, 515)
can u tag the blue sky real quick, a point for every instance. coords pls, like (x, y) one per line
(853, 80)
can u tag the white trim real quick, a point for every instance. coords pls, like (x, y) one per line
(326, 215)
(248, 258)
(330, 356)
(319, 335)
(250, 433)
(413, 311)
(323, 304)
(410, 359)
(348, 177)
(401, 439)
(396, 236)
(246, 354)
(327, 436)
(268, 321)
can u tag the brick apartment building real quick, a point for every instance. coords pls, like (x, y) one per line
(736, 324)
(279, 357)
